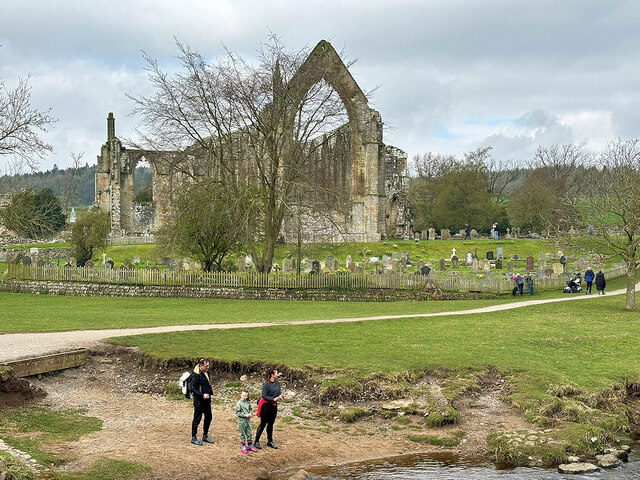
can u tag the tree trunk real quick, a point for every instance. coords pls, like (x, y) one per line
(631, 283)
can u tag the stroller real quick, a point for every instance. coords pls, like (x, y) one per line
(573, 285)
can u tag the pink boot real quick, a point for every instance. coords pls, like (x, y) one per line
(244, 448)
(252, 448)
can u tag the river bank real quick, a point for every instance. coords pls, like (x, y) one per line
(144, 420)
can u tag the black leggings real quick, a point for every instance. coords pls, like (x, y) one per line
(268, 414)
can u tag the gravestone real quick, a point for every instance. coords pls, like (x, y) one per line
(475, 268)
(166, 261)
(385, 260)
(475, 254)
(540, 274)
(486, 265)
(404, 254)
(499, 264)
(425, 270)
(136, 260)
(326, 270)
(445, 234)
(530, 264)
(41, 263)
(294, 265)
(394, 256)
(548, 272)
(453, 252)
(490, 255)
(336, 265)
(72, 215)
(109, 265)
(432, 234)
(73, 262)
(358, 270)
(442, 265)
(104, 258)
(509, 266)
(474, 233)
(349, 263)
(500, 252)
(34, 252)
(89, 264)
(406, 238)
(542, 263)
(241, 264)
(26, 260)
(468, 259)
(424, 235)
(508, 235)
(559, 254)
(455, 261)
(315, 266)
(330, 260)
(126, 262)
(515, 258)
(286, 265)
(558, 268)
(374, 260)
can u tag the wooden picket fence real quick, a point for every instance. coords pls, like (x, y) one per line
(403, 281)
(142, 240)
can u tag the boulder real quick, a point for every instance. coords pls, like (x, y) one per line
(577, 468)
(300, 475)
(608, 460)
(573, 459)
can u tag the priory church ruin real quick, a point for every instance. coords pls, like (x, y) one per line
(354, 157)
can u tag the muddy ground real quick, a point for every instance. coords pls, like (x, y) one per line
(142, 425)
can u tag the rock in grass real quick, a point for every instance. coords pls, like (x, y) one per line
(608, 460)
(577, 468)
(573, 459)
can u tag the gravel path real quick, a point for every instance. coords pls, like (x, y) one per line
(19, 345)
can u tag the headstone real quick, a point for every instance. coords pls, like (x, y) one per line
(442, 265)
(241, 264)
(432, 234)
(349, 263)
(358, 270)
(559, 253)
(515, 260)
(104, 258)
(136, 260)
(468, 259)
(424, 235)
(73, 262)
(455, 261)
(34, 252)
(326, 270)
(404, 254)
(508, 235)
(500, 252)
(530, 264)
(374, 260)
(385, 259)
(499, 264)
(425, 270)
(336, 264)
(286, 265)
(509, 266)
(540, 274)
(394, 256)
(563, 260)
(294, 264)
(26, 260)
(166, 261)
(490, 255)
(315, 266)
(474, 233)
(475, 254)
(475, 268)
(406, 238)
(109, 265)
(486, 265)
(558, 268)
(445, 234)
(41, 263)
(330, 260)
(72, 215)
(88, 264)
(548, 272)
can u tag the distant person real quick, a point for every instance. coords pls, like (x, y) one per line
(601, 282)
(244, 414)
(268, 406)
(200, 388)
(530, 283)
(588, 277)
(495, 231)
(519, 281)
(467, 232)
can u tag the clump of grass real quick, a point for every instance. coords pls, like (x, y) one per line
(236, 384)
(436, 440)
(440, 417)
(351, 415)
(404, 420)
(173, 391)
(109, 469)
(289, 419)
(12, 469)
(338, 389)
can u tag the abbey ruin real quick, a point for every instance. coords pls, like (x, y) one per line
(354, 157)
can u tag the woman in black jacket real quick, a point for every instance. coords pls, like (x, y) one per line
(268, 406)
(601, 283)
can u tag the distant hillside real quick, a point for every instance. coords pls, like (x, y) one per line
(80, 184)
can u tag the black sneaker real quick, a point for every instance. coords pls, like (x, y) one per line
(195, 441)
(257, 445)
(272, 445)
(207, 439)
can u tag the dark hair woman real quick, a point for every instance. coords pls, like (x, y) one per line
(268, 406)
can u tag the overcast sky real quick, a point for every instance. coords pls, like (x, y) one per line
(451, 75)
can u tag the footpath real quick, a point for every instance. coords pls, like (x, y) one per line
(14, 346)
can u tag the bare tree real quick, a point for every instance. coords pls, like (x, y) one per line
(70, 173)
(501, 173)
(612, 207)
(21, 124)
(251, 127)
(562, 163)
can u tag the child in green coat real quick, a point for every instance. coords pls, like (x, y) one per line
(244, 413)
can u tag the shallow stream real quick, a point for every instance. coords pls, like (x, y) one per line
(449, 466)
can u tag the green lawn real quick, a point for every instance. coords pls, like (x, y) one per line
(53, 313)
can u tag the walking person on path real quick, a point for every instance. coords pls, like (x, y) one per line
(588, 277)
(268, 406)
(244, 414)
(200, 388)
(467, 232)
(601, 282)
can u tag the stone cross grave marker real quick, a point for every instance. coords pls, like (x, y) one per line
(453, 252)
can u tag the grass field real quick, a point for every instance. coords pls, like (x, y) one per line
(51, 313)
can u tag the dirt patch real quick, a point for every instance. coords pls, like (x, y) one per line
(15, 392)
(142, 425)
